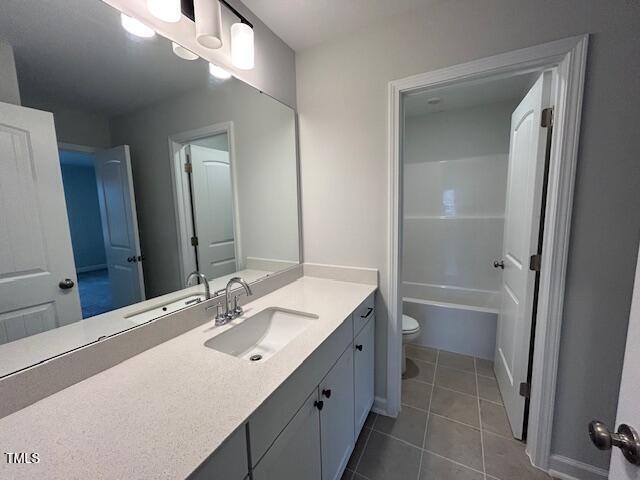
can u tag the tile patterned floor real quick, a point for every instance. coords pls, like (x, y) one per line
(452, 426)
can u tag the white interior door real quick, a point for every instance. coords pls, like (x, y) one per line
(120, 225)
(213, 211)
(628, 404)
(35, 243)
(521, 228)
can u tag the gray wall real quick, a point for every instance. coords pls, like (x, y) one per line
(9, 91)
(264, 131)
(342, 103)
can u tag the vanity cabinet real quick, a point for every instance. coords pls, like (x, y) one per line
(337, 417)
(296, 452)
(363, 373)
(308, 428)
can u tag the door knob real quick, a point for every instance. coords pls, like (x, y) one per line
(359, 348)
(131, 259)
(66, 284)
(319, 404)
(498, 264)
(326, 392)
(626, 439)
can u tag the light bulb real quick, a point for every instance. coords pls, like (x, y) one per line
(218, 72)
(182, 52)
(242, 55)
(136, 27)
(166, 10)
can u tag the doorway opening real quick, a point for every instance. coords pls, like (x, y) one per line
(87, 239)
(468, 157)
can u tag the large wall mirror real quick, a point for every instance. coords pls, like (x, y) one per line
(149, 168)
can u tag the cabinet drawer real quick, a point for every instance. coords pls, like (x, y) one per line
(363, 313)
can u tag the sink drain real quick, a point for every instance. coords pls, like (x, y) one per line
(256, 357)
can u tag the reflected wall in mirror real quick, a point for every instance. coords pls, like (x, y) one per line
(123, 169)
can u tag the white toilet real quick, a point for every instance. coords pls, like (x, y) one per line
(410, 331)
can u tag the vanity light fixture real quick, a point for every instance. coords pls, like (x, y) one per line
(242, 52)
(182, 52)
(136, 27)
(218, 72)
(166, 10)
(208, 19)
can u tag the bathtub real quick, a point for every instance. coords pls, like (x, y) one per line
(461, 320)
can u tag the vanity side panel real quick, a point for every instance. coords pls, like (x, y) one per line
(228, 462)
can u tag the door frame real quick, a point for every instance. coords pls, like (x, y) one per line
(568, 57)
(183, 218)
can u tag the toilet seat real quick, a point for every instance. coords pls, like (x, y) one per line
(409, 325)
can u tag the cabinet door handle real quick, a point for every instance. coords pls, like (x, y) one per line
(366, 315)
(319, 404)
(327, 392)
(359, 347)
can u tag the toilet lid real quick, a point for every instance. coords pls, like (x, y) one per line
(409, 324)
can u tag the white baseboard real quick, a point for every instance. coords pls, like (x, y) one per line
(91, 268)
(569, 469)
(380, 406)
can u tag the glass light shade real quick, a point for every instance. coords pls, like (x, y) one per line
(208, 23)
(166, 10)
(136, 27)
(182, 52)
(218, 72)
(242, 54)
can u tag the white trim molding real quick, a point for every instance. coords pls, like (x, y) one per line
(567, 57)
(569, 469)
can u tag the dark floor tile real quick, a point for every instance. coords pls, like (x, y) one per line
(371, 418)
(386, 458)
(409, 425)
(438, 468)
(506, 459)
(358, 449)
(484, 367)
(455, 441)
(460, 381)
(424, 354)
(456, 360)
(456, 406)
(416, 394)
(494, 419)
(488, 389)
(347, 475)
(419, 370)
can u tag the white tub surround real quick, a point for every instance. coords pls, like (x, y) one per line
(162, 413)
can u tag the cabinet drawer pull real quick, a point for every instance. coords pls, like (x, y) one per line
(327, 392)
(359, 347)
(366, 315)
(319, 404)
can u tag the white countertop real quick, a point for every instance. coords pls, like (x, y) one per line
(31, 350)
(160, 414)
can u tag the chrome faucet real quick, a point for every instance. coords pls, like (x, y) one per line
(236, 311)
(203, 279)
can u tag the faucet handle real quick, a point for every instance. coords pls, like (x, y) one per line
(237, 309)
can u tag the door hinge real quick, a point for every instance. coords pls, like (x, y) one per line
(525, 390)
(187, 167)
(194, 241)
(547, 117)
(534, 262)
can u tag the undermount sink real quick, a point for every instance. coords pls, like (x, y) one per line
(261, 335)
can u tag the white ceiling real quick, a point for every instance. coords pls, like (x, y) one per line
(75, 53)
(469, 95)
(305, 23)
